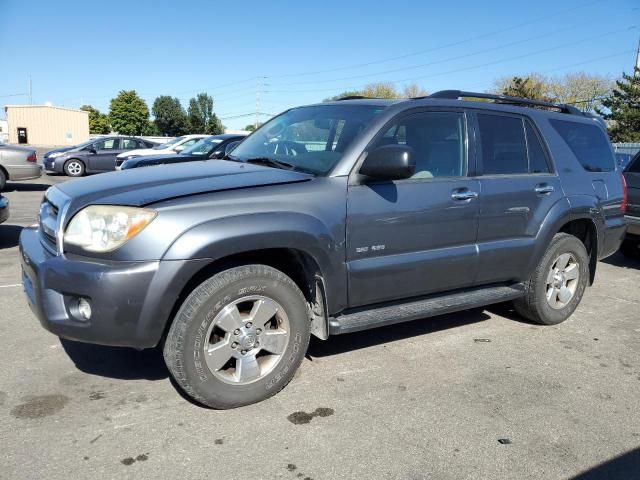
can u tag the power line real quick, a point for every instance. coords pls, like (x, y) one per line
(537, 37)
(463, 69)
(433, 49)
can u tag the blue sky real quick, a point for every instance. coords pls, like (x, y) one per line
(303, 51)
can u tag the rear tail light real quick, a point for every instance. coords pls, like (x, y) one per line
(32, 158)
(623, 207)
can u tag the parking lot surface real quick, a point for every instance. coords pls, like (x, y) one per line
(479, 394)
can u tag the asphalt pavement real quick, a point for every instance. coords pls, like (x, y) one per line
(480, 394)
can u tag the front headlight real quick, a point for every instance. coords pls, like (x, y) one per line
(103, 228)
(56, 154)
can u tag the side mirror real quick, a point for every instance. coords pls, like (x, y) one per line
(92, 149)
(389, 162)
(179, 148)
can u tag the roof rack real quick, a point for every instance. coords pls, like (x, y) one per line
(525, 102)
(353, 97)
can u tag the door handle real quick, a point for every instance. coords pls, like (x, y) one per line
(544, 189)
(463, 196)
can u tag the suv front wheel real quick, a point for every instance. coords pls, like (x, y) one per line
(239, 337)
(556, 287)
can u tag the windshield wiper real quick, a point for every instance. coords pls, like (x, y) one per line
(271, 162)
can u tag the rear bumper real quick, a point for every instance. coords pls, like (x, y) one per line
(131, 302)
(633, 225)
(24, 172)
(612, 236)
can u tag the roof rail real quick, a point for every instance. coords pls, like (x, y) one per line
(353, 97)
(525, 102)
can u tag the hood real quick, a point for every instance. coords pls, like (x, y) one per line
(61, 149)
(145, 152)
(144, 186)
(158, 160)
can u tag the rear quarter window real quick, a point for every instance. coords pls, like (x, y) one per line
(588, 143)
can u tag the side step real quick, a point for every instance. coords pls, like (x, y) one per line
(388, 314)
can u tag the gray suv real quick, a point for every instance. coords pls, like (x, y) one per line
(329, 219)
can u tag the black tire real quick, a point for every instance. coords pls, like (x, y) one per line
(74, 168)
(3, 180)
(630, 248)
(184, 345)
(534, 305)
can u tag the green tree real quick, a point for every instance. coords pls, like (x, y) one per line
(170, 118)
(623, 109)
(250, 128)
(380, 90)
(201, 116)
(128, 113)
(98, 122)
(534, 87)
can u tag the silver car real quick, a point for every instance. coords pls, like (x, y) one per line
(17, 163)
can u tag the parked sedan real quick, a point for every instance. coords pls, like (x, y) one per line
(96, 155)
(17, 163)
(4, 209)
(215, 146)
(172, 147)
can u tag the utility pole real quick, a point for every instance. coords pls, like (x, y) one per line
(258, 88)
(30, 92)
(638, 59)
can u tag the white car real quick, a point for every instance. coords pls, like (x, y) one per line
(172, 146)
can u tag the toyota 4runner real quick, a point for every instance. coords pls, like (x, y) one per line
(329, 219)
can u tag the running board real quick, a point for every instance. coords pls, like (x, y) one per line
(388, 314)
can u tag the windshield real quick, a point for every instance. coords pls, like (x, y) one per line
(310, 139)
(203, 147)
(169, 144)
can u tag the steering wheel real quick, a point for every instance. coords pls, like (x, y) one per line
(287, 148)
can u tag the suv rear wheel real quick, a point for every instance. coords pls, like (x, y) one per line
(238, 337)
(556, 287)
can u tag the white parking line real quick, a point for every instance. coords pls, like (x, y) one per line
(11, 286)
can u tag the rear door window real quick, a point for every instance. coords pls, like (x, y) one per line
(588, 143)
(538, 162)
(504, 147)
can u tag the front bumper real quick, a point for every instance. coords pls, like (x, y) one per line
(50, 164)
(131, 302)
(4, 209)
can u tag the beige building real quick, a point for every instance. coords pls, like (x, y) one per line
(46, 125)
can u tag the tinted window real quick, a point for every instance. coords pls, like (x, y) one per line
(108, 144)
(588, 143)
(438, 139)
(129, 144)
(504, 149)
(634, 166)
(537, 157)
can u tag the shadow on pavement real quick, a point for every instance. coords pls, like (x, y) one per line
(25, 187)
(619, 260)
(117, 362)
(368, 338)
(624, 467)
(9, 236)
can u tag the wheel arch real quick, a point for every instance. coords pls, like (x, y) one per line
(562, 218)
(296, 263)
(5, 172)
